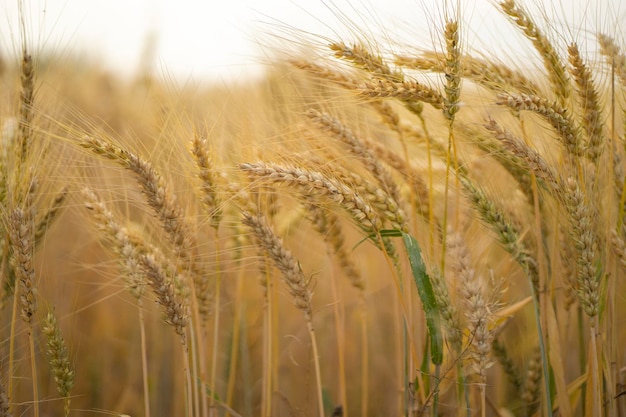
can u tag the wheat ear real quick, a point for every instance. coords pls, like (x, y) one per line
(324, 73)
(588, 96)
(27, 76)
(552, 62)
(364, 59)
(585, 242)
(163, 201)
(452, 70)
(22, 238)
(492, 76)
(448, 311)
(531, 390)
(478, 306)
(508, 234)
(59, 359)
(501, 354)
(208, 174)
(46, 220)
(556, 115)
(22, 235)
(315, 183)
(407, 91)
(327, 225)
(386, 206)
(297, 283)
(507, 159)
(158, 195)
(531, 159)
(614, 56)
(358, 148)
(5, 409)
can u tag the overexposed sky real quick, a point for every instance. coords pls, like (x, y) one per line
(221, 39)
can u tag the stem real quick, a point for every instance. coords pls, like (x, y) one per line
(195, 348)
(318, 374)
(144, 360)
(188, 385)
(216, 327)
(483, 400)
(364, 357)
(266, 401)
(12, 346)
(33, 368)
(234, 350)
(594, 369)
(340, 334)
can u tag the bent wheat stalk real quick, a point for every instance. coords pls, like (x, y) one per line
(297, 283)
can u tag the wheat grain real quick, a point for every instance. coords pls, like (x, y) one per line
(325, 73)
(161, 280)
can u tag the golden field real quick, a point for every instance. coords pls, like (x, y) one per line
(366, 231)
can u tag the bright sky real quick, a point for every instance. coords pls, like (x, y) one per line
(208, 38)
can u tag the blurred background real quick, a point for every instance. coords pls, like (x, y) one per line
(228, 40)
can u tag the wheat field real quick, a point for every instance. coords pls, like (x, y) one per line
(369, 230)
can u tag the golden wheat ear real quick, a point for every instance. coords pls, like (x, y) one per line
(59, 359)
(298, 284)
(551, 60)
